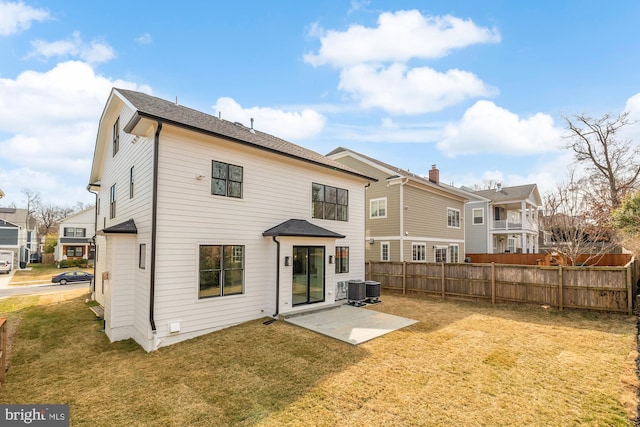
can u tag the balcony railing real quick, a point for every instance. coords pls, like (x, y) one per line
(503, 224)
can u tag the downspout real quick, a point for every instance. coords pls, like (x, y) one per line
(277, 277)
(402, 219)
(154, 216)
(95, 228)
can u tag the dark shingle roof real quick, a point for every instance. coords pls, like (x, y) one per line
(178, 115)
(127, 227)
(300, 227)
(518, 192)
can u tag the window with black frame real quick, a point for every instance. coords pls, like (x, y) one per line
(226, 179)
(329, 202)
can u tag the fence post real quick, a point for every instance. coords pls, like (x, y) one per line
(629, 292)
(3, 349)
(493, 283)
(560, 290)
(442, 279)
(404, 277)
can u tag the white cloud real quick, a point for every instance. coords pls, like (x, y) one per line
(93, 52)
(400, 36)
(487, 128)
(292, 126)
(17, 16)
(400, 90)
(144, 39)
(50, 121)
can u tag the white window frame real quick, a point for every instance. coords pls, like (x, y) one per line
(473, 216)
(377, 209)
(421, 252)
(436, 250)
(384, 245)
(451, 218)
(454, 253)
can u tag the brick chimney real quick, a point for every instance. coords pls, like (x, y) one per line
(434, 174)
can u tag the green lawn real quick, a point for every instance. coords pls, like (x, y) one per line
(38, 273)
(462, 364)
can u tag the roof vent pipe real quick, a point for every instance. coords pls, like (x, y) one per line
(251, 130)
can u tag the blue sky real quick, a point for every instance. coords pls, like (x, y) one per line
(478, 88)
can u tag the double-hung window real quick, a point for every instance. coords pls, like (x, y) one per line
(112, 202)
(453, 218)
(329, 202)
(478, 216)
(418, 251)
(226, 179)
(378, 208)
(221, 270)
(342, 259)
(116, 136)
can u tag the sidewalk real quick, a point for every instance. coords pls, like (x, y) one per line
(5, 279)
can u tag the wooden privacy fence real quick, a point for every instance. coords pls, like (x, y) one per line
(592, 288)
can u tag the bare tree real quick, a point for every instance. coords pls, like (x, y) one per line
(613, 162)
(487, 184)
(572, 228)
(49, 216)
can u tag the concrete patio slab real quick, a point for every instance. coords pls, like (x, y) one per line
(350, 324)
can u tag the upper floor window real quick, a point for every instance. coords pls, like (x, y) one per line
(342, 259)
(329, 202)
(478, 216)
(418, 251)
(378, 208)
(116, 136)
(453, 218)
(75, 232)
(226, 179)
(131, 179)
(112, 202)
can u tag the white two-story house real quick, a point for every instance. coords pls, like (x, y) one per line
(74, 236)
(502, 220)
(204, 223)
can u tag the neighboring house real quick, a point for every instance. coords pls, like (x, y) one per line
(203, 223)
(503, 220)
(408, 217)
(74, 236)
(18, 235)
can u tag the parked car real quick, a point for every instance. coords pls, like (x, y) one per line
(5, 267)
(72, 276)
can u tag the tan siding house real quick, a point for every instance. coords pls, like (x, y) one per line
(409, 218)
(203, 223)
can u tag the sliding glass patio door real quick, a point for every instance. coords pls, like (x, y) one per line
(308, 274)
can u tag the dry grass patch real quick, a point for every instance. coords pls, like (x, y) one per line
(462, 364)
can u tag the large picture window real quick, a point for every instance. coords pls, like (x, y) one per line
(221, 270)
(342, 259)
(378, 208)
(226, 179)
(329, 202)
(74, 251)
